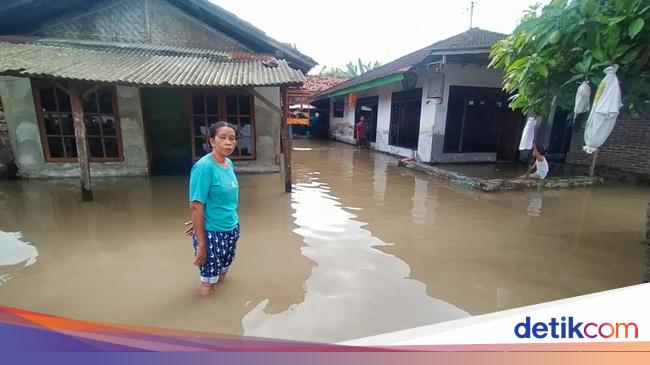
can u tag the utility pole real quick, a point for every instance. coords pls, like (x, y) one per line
(471, 13)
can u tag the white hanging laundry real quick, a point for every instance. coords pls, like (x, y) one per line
(582, 98)
(604, 111)
(528, 135)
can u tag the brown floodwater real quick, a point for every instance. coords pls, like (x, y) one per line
(361, 247)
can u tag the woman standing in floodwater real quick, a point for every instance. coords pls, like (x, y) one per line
(214, 197)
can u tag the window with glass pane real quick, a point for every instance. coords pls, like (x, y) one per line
(102, 125)
(57, 124)
(239, 109)
(205, 112)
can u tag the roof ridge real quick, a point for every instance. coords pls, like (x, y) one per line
(467, 32)
(124, 46)
(417, 56)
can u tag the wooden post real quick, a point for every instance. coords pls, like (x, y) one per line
(80, 136)
(286, 141)
(592, 169)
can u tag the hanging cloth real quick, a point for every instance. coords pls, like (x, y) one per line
(604, 111)
(528, 135)
(582, 99)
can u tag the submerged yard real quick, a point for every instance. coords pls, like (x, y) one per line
(361, 247)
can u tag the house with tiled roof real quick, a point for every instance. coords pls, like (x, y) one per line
(311, 119)
(129, 87)
(315, 84)
(440, 103)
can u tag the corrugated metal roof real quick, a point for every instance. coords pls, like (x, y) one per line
(471, 40)
(137, 64)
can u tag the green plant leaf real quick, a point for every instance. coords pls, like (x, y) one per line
(517, 63)
(599, 55)
(635, 27)
(573, 79)
(629, 57)
(542, 70)
(616, 20)
(555, 37)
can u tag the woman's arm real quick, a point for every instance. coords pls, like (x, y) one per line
(198, 223)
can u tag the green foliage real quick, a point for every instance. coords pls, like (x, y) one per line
(556, 47)
(351, 69)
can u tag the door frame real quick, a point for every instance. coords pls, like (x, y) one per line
(373, 100)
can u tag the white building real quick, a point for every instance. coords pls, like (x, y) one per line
(437, 104)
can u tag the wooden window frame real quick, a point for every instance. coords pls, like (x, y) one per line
(222, 116)
(37, 85)
(335, 101)
(397, 98)
(118, 130)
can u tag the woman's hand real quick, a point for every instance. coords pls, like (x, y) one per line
(201, 256)
(189, 228)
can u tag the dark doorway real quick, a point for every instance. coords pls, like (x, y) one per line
(368, 108)
(478, 120)
(320, 123)
(508, 146)
(405, 118)
(168, 131)
(561, 131)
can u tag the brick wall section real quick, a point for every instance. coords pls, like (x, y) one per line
(627, 148)
(5, 148)
(126, 21)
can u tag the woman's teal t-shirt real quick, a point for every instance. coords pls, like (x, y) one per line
(217, 188)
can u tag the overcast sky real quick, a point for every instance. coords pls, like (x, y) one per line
(334, 32)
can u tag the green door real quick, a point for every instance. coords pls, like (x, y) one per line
(168, 131)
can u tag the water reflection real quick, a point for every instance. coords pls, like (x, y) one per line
(535, 205)
(420, 195)
(14, 255)
(354, 287)
(379, 178)
(484, 251)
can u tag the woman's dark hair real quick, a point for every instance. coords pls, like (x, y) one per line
(214, 128)
(540, 150)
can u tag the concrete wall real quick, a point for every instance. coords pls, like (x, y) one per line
(627, 149)
(342, 129)
(460, 75)
(140, 21)
(25, 138)
(433, 115)
(267, 134)
(385, 93)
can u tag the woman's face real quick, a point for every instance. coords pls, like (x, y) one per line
(224, 141)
